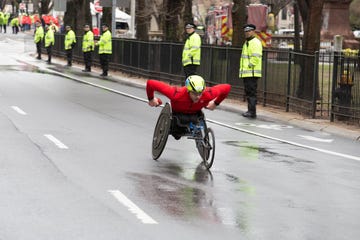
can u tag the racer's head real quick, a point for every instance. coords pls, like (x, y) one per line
(195, 85)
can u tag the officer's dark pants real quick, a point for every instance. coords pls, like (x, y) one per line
(69, 55)
(190, 70)
(250, 84)
(4, 26)
(104, 62)
(49, 53)
(88, 60)
(38, 49)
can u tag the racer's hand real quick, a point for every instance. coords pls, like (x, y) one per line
(211, 105)
(155, 102)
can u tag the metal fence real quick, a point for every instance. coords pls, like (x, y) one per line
(319, 85)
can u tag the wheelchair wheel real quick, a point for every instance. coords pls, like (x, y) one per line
(207, 148)
(161, 131)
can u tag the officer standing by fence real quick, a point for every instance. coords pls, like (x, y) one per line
(105, 49)
(87, 47)
(49, 42)
(6, 21)
(192, 50)
(70, 41)
(38, 38)
(250, 68)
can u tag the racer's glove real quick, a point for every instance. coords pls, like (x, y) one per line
(155, 102)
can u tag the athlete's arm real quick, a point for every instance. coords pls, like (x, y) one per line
(220, 92)
(154, 85)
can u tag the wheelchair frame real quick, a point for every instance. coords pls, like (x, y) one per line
(167, 123)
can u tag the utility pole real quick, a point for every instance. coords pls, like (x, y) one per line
(132, 13)
(113, 20)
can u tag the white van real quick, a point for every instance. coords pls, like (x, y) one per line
(286, 31)
(357, 33)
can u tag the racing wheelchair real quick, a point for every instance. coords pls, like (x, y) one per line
(182, 125)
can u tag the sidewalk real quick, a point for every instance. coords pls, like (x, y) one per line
(264, 113)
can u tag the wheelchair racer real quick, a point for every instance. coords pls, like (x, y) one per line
(188, 101)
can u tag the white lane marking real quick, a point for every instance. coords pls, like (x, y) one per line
(285, 141)
(140, 214)
(212, 121)
(265, 126)
(18, 110)
(311, 138)
(57, 142)
(96, 85)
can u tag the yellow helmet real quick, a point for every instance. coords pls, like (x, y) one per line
(195, 83)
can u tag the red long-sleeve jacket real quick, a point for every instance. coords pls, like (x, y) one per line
(180, 99)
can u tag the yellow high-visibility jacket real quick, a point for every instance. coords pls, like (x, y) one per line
(70, 39)
(251, 58)
(88, 42)
(39, 34)
(105, 43)
(14, 22)
(192, 50)
(49, 38)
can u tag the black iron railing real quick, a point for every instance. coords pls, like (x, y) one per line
(319, 85)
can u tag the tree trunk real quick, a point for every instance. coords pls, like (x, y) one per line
(46, 6)
(173, 27)
(311, 12)
(239, 18)
(77, 14)
(188, 17)
(312, 25)
(296, 27)
(2, 4)
(107, 17)
(142, 20)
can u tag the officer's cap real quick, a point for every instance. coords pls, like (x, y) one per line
(249, 27)
(190, 25)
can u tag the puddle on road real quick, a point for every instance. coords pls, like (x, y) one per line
(31, 68)
(21, 68)
(199, 175)
(176, 198)
(250, 151)
(195, 198)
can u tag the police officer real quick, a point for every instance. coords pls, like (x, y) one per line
(87, 47)
(105, 49)
(192, 50)
(38, 38)
(14, 23)
(250, 68)
(49, 42)
(69, 44)
(53, 26)
(6, 21)
(2, 20)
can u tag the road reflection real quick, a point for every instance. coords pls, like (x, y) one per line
(253, 151)
(190, 195)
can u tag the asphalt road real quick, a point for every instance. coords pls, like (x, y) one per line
(75, 163)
